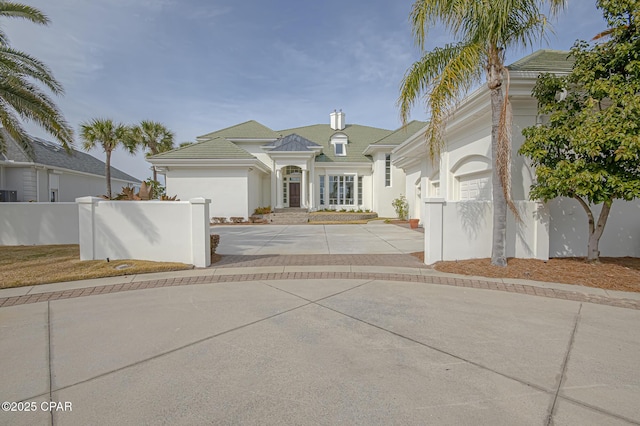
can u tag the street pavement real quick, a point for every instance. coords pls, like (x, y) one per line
(370, 344)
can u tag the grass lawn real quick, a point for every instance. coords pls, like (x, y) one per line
(29, 265)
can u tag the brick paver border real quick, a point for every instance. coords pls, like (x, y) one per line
(210, 279)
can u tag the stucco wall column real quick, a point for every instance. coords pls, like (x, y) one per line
(274, 186)
(278, 189)
(312, 181)
(303, 196)
(433, 245)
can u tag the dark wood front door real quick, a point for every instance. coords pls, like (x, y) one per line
(294, 194)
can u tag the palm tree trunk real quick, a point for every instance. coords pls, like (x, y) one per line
(107, 173)
(499, 237)
(155, 173)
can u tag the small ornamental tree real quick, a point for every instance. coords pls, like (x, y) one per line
(589, 149)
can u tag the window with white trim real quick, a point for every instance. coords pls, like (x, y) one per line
(321, 189)
(339, 142)
(359, 190)
(387, 170)
(341, 190)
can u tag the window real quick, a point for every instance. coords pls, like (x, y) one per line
(284, 190)
(292, 170)
(321, 189)
(359, 190)
(339, 141)
(341, 190)
(387, 170)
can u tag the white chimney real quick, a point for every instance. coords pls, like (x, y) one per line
(337, 120)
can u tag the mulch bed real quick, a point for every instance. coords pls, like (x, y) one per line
(612, 273)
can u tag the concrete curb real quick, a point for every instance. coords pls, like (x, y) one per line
(72, 289)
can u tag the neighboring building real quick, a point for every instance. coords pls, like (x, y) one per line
(460, 230)
(322, 166)
(51, 174)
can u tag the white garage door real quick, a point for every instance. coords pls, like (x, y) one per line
(475, 187)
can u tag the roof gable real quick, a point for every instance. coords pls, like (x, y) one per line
(248, 130)
(544, 60)
(54, 155)
(213, 149)
(359, 138)
(292, 143)
(404, 132)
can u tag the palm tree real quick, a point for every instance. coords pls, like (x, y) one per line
(154, 137)
(485, 30)
(108, 135)
(20, 95)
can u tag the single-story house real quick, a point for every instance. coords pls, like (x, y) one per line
(51, 174)
(321, 166)
(451, 194)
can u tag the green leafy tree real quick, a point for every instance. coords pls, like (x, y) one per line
(590, 148)
(153, 137)
(485, 30)
(21, 94)
(108, 135)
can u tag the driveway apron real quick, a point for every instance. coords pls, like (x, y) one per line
(317, 239)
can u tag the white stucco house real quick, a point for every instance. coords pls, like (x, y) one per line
(51, 174)
(334, 165)
(451, 194)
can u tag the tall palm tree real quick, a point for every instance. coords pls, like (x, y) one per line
(108, 135)
(485, 30)
(21, 97)
(154, 137)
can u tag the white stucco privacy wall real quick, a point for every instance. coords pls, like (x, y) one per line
(38, 223)
(463, 230)
(167, 231)
(569, 229)
(227, 188)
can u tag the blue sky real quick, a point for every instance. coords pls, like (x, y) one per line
(201, 65)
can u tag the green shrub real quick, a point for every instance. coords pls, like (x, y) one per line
(401, 206)
(262, 210)
(215, 240)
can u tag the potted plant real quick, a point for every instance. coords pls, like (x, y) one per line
(413, 223)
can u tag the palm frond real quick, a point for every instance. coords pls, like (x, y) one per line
(19, 96)
(442, 76)
(10, 9)
(13, 127)
(13, 61)
(31, 103)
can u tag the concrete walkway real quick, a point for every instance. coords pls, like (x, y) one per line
(319, 344)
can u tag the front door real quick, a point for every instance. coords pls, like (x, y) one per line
(294, 194)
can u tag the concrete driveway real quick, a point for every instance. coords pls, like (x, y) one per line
(317, 239)
(334, 351)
